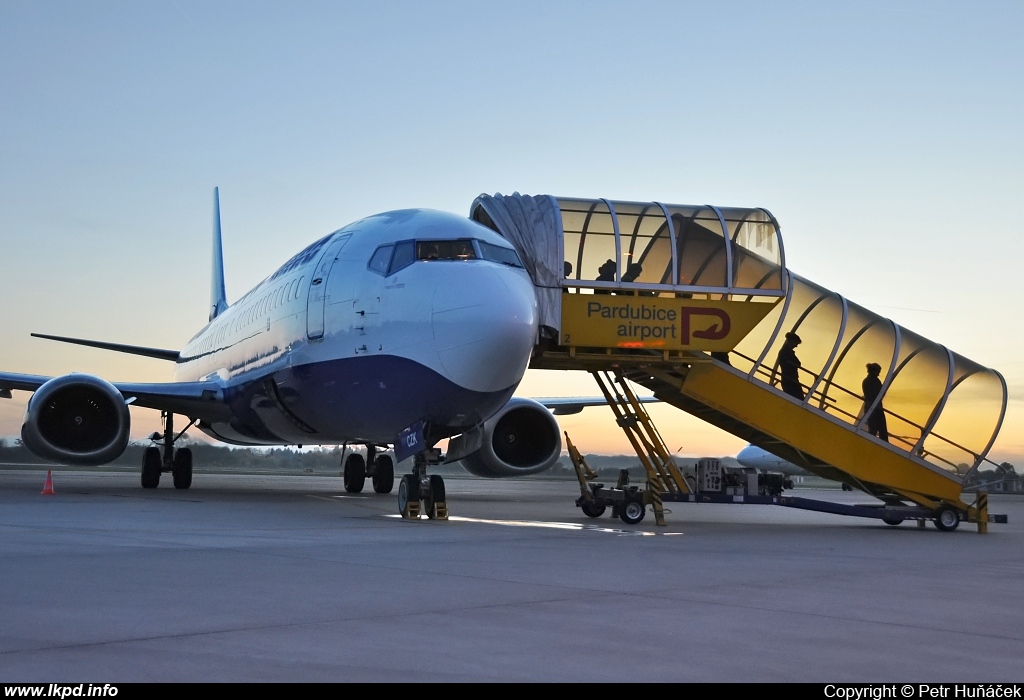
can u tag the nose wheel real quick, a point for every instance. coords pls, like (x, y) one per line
(409, 497)
(418, 488)
(435, 504)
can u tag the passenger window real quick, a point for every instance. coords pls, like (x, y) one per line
(381, 258)
(405, 255)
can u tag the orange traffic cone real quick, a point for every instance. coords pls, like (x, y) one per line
(48, 486)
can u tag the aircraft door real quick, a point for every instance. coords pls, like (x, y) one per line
(318, 288)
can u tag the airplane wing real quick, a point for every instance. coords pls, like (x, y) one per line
(200, 400)
(156, 353)
(20, 382)
(574, 404)
(203, 400)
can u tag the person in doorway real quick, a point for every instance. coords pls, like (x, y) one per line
(633, 271)
(789, 367)
(606, 273)
(872, 387)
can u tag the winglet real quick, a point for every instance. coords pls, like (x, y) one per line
(218, 295)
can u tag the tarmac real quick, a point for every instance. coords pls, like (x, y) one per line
(287, 578)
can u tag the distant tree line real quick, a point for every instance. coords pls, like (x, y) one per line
(208, 456)
(205, 455)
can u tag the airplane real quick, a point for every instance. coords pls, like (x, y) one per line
(754, 457)
(403, 328)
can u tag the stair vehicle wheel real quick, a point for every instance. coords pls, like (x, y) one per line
(354, 473)
(947, 519)
(632, 512)
(383, 474)
(182, 468)
(435, 496)
(593, 509)
(890, 519)
(151, 464)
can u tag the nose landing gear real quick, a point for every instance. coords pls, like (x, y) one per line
(417, 487)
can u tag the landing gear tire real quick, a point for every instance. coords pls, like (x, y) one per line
(383, 474)
(151, 464)
(893, 520)
(592, 509)
(632, 512)
(947, 519)
(409, 497)
(182, 468)
(355, 473)
(435, 501)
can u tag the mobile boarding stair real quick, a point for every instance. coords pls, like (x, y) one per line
(695, 302)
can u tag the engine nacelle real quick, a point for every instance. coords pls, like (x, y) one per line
(77, 419)
(522, 438)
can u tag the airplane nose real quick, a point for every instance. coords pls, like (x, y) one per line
(484, 320)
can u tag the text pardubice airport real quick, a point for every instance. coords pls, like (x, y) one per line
(657, 322)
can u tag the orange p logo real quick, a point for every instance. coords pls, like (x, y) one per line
(715, 332)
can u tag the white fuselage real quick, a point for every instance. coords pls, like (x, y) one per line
(331, 348)
(762, 460)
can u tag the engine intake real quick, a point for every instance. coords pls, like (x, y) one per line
(77, 419)
(522, 438)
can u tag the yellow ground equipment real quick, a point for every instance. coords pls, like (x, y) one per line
(663, 477)
(697, 305)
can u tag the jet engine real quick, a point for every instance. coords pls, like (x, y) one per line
(77, 419)
(522, 438)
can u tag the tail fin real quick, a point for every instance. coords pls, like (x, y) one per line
(218, 295)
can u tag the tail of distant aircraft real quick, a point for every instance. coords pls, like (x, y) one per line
(218, 295)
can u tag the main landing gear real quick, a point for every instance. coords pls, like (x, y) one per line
(418, 487)
(177, 462)
(379, 467)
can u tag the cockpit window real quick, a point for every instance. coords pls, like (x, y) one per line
(460, 249)
(498, 254)
(408, 252)
(405, 255)
(381, 258)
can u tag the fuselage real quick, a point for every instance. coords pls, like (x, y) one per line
(762, 460)
(407, 316)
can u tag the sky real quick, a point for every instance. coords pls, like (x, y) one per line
(885, 137)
